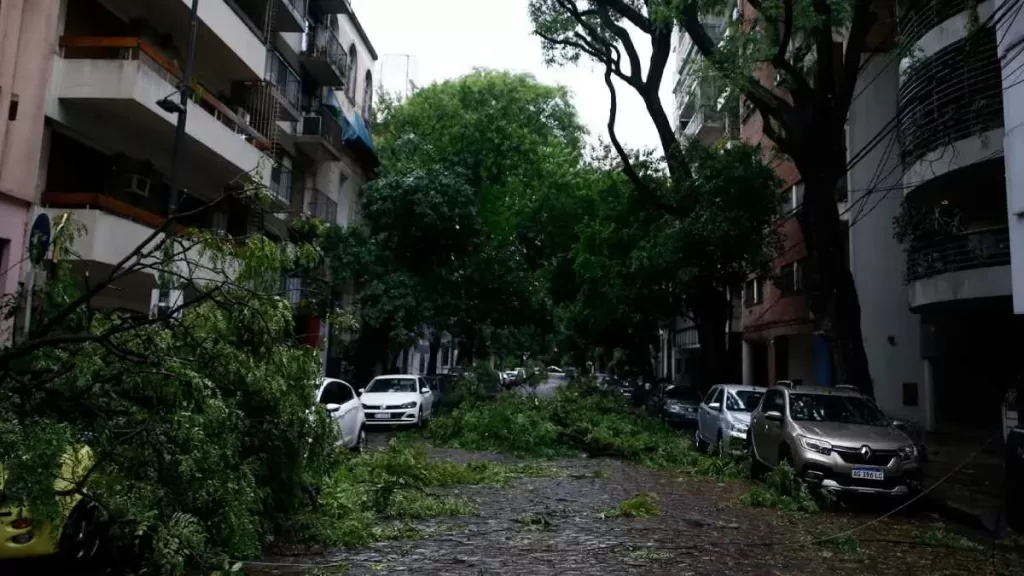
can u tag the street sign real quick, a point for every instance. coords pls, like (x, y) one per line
(39, 239)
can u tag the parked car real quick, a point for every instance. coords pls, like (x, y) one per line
(555, 370)
(1015, 478)
(81, 533)
(834, 438)
(512, 378)
(403, 399)
(724, 416)
(436, 385)
(345, 410)
(678, 405)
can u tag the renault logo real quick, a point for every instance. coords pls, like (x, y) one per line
(865, 452)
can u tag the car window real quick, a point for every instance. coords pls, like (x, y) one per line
(774, 401)
(718, 396)
(743, 400)
(708, 399)
(336, 393)
(392, 385)
(842, 409)
(683, 393)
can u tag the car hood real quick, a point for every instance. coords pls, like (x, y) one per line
(388, 398)
(855, 435)
(687, 403)
(740, 417)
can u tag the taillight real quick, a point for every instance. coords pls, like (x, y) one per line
(21, 523)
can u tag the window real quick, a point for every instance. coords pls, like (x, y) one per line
(791, 278)
(423, 363)
(368, 96)
(774, 401)
(753, 292)
(384, 385)
(711, 394)
(336, 393)
(792, 199)
(717, 398)
(743, 401)
(838, 409)
(353, 70)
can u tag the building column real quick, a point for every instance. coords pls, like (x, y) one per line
(927, 398)
(748, 364)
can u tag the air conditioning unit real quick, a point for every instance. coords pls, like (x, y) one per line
(138, 184)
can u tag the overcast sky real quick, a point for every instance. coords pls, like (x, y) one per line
(448, 38)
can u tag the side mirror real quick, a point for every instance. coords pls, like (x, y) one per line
(424, 390)
(900, 424)
(773, 415)
(360, 391)
(716, 406)
(333, 407)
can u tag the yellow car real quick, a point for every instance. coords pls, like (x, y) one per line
(80, 531)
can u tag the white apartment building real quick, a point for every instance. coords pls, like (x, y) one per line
(282, 94)
(698, 112)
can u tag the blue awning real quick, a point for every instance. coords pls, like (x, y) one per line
(355, 134)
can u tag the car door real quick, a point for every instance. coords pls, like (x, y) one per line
(352, 417)
(706, 416)
(337, 397)
(427, 397)
(767, 433)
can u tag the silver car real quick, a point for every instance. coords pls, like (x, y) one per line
(724, 416)
(835, 438)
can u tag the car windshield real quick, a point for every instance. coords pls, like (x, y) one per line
(682, 394)
(392, 385)
(829, 408)
(743, 400)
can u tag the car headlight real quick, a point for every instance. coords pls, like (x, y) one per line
(406, 405)
(673, 407)
(908, 452)
(737, 427)
(815, 445)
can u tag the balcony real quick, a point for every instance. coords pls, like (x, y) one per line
(323, 208)
(964, 266)
(324, 57)
(284, 15)
(279, 94)
(333, 6)
(320, 136)
(109, 87)
(706, 125)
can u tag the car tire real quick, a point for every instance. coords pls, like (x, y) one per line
(420, 422)
(85, 534)
(719, 448)
(362, 444)
(757, 468)
(698, 443)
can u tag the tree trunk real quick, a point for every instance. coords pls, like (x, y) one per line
(435, 347)
(711, 309)
(832, 293)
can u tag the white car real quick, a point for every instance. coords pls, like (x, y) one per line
(397, 399)
(344, 408)
(724, 415)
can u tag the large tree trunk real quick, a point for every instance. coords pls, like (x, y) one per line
(711, 309)
(832, 295)
(435, 347)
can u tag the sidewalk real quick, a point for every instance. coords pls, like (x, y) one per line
(974, 494)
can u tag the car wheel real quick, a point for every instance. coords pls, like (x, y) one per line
(84, 534)
(757, 469)
(698, 442)
(420, 422)
(719, 448)
(362, 442)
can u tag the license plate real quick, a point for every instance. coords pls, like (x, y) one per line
(382, 416)
(868, 474)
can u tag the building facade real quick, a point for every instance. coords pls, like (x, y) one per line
(282, 94)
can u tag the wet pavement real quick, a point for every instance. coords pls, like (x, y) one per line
(556, 525)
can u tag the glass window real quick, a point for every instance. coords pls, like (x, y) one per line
(840, 409)
(392, 385)
(336, 393)
(743, 400)
(792, 278)
(717, 398)
(774, 401)
(711, 394)
(683, 394)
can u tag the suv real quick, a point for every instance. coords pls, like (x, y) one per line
(834, 438)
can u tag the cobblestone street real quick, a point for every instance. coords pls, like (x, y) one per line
(555, 526)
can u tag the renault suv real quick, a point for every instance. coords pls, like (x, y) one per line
(834, 438)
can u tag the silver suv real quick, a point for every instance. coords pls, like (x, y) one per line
(835, 438)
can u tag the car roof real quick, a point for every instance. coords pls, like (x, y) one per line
(823, 390)
(397, 376)
(738, 387)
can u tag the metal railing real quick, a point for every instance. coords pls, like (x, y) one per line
(917, 17)
(325, 45)
(281, 183)
(133, 48)
(322, 123)
(322, 207)
(967, 251)
(951, 96)
(281, 75)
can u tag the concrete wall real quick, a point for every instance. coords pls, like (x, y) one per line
(1010, 54)
(891, 331)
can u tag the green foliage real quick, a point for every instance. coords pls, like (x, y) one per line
(937, 534)
(783, 489)
(639, 506)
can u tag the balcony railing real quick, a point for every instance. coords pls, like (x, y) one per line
(325, 45)
(281, 75)
(917, 17)
(132, 48)
(322, 123)
(323, 208)
(281, 183)
(975, 249)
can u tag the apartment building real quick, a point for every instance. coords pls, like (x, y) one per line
(699, 111)
(281, 96)
(27, 31)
